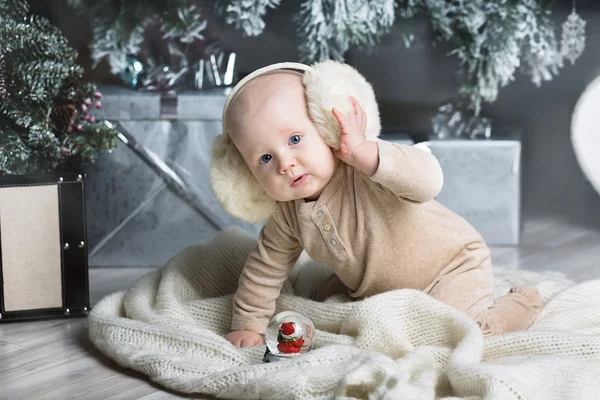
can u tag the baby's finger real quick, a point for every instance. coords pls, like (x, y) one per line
(361, 116)
(339, 116)
(358, 109)
(353, 108)
(246, 342)
(364, 121)
(355, 105)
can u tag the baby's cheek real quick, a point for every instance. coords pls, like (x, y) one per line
(273, 190)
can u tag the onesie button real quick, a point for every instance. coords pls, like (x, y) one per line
(319, 213)
(333, 242)
(327, 227)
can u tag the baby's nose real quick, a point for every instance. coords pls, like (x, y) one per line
(286, 164)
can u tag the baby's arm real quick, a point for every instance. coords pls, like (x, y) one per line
(260, 283)
(406, 171)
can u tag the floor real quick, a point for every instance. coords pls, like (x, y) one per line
(54, 360)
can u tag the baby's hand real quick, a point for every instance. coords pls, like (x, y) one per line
(352, 131)
(245, 338)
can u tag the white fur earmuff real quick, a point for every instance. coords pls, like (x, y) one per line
(327, 85)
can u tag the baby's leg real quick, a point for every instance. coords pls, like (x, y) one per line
(471, 290)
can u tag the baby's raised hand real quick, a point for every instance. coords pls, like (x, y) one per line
(245, 338)
(352, 131)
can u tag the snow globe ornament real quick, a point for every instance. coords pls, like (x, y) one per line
(289, 334)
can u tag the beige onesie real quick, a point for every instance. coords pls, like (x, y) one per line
(381, 233)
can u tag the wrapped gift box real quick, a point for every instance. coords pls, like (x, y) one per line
(149, 199)
(482, 181)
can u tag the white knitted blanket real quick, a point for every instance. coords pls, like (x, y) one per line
(397, 345)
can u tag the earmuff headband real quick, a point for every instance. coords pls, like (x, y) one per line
(326, 85)
(292, 66)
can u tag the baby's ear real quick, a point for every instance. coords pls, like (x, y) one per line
(328, 85)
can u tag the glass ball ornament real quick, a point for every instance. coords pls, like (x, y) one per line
(289, 334)
(133, 72)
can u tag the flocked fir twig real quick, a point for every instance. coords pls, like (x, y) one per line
(492, 39)
(245, 15)
(119, 32)
(43, 125)
(327, 28)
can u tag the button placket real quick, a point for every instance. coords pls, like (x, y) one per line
(323, 220)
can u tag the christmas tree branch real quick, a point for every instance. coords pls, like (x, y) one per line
(42, 93)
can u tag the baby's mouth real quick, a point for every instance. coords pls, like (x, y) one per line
(299, 180)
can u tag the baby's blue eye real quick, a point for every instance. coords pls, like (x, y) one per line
(265, 158)
(295, 139)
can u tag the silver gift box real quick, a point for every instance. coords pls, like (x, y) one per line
(150, 198)
(482, 182)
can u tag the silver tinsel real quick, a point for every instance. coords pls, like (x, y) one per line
(573, 37)
(455, 121)
(217, 69)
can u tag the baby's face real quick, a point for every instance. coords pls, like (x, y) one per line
(277, 139)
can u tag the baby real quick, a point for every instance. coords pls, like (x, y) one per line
(366, 208)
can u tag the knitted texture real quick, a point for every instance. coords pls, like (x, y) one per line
(399, 344)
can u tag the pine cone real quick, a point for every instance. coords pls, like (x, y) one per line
(61, 115)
